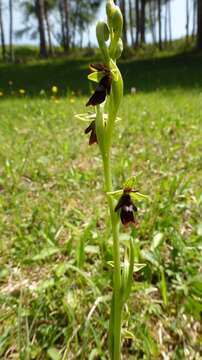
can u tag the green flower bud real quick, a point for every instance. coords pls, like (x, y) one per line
(119, 49)
(117, 22)
(102, 33)
(110, 7)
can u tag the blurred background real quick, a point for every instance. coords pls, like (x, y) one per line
(70, 24)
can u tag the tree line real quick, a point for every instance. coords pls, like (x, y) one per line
(155, 17)
(74, 17)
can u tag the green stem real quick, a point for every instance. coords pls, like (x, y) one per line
(117, 308)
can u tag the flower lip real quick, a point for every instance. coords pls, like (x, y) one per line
(106, 81)
(104, 86)
(98, 96)
(92, 130)
(127, 208)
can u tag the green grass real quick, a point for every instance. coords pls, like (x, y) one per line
(55, 239)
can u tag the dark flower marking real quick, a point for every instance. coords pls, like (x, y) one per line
(127, 209)
(92, 130)
(99, 67)
(104, 86)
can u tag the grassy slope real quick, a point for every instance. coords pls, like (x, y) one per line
(54, 241)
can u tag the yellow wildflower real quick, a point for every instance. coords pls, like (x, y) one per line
(1, 93)
(54, 89)
(72, 101)
(22, 91)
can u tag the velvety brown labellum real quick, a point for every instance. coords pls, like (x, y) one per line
(106, 81)
(98, 97)
(127, 209)
(104, 86)
(92, 130)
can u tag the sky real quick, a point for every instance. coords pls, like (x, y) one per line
(178, 22)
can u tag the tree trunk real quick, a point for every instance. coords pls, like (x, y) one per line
(62, 24)
(137, 22)
(50, 46)
(66, 24)
(166, 24)
(11, 52)
(142, 22)
(159, 23)
(169, 22)
(39, 5)
(131, 23)
(3, 46)
(199, 22)
(194, 18)
(152, 20)
(187, 21)
(123, 10)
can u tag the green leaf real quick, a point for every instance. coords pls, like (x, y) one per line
(92, 249)
(96, 76)
(164, 288)
(53, 353)
(137, 267)
(93, 355)
(46, 252)
(157, 240)
(128, 334)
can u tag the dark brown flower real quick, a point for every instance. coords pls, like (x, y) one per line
(104, 86)
(127, 209)
(98, 96)
(92, 130)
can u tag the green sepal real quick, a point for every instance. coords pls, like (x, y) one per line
(137, 196)
(86, 117)
(95, 76)
(130, 183)
(115, 194)
(90, 116)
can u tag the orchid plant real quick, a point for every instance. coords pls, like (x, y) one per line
(106, 100)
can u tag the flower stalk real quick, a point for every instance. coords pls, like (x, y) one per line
(104, 133)
(106, 99)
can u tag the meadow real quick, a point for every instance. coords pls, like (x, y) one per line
(55, 243)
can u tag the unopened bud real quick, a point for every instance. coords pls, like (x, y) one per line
(102, 32)
(119, 49)
(110, 8)
(117, 22)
